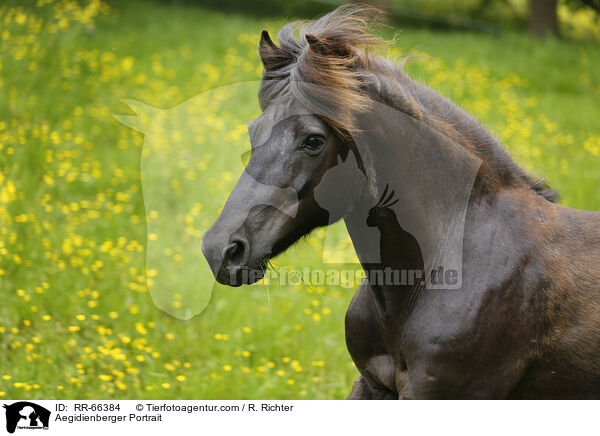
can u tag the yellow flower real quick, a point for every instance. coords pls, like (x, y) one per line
(166, 385)
(140, 328)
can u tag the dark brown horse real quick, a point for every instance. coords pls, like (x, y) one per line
(516, 312)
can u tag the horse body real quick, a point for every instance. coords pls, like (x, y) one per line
(526, 328)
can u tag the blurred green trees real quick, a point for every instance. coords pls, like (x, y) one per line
(569, 18)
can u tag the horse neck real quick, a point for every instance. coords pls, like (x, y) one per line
(431, 176)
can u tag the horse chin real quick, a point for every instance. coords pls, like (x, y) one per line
(239, 275)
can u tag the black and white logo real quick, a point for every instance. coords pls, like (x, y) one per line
(26, 415)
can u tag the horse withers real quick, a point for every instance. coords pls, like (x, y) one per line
(422, 188)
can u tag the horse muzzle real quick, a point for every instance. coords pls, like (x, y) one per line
(229, 262)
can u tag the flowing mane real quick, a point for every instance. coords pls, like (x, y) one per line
(336, 52)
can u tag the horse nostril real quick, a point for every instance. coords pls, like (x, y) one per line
(235, 253)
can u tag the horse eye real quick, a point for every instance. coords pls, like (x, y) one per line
(313, 143)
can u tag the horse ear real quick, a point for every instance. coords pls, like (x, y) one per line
(315, 44)
(272, 57)
(326, 46)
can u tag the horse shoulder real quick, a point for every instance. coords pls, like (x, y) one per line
(569, 361)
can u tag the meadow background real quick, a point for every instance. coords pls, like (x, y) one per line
(76, 318)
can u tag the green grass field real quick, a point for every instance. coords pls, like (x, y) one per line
(77, 320)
